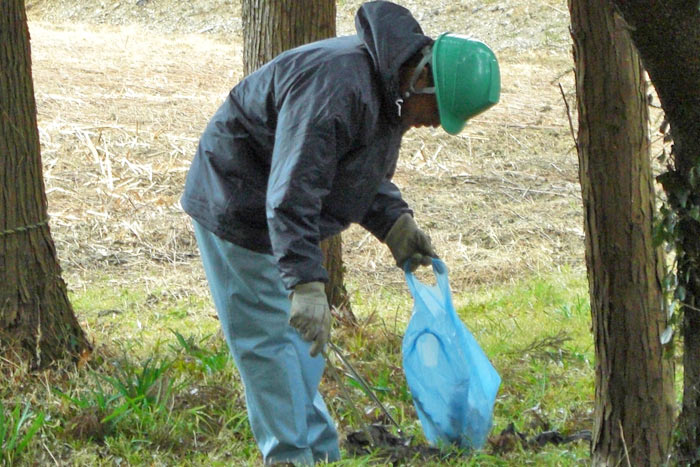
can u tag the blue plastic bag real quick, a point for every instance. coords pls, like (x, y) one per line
(452, 382)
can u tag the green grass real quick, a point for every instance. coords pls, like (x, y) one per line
(17, 428)
(160, 388)
(537, 334)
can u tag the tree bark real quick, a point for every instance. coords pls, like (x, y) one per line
(37, 322)
(269, 28)
(335, 288)
(634, 392)
(667, 35)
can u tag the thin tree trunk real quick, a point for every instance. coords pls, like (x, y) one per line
(335, 288)
(269, 28)
(36, 318)
(634, 393)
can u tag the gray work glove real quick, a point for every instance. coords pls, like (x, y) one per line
(310, 315)
(408, 243)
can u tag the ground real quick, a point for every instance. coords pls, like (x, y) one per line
(124, 89)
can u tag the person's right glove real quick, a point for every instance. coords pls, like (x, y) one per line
(310, 315)
(408, 243)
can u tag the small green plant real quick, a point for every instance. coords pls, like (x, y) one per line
(109, 405)
(14, 437)
(208, 360)
(92, 397)
(144, 386)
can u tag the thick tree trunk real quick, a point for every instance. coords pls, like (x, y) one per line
(36, 318)
(634, 393)
(667, 35)
(270, 28)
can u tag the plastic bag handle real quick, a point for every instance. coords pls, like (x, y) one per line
(440, 271)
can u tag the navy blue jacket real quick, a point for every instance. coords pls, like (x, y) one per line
(307, 144)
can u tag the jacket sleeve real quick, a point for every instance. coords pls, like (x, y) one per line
(314, 127)
(388, 205)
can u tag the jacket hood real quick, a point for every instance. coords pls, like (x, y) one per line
(391, 36)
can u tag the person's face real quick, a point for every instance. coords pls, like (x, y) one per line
(421, 110)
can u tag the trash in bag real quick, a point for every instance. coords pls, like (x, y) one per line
(452, 381)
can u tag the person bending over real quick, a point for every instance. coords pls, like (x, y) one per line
(299, 150)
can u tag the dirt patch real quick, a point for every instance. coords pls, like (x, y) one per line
(502, 24)
(122, 103)
(164, 16)
(87, 425)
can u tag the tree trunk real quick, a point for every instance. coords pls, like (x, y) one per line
(634, 392)
(335, 288)
(37, 322)
(667, 35)
(269, 28)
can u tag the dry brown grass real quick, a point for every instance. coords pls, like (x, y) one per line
(121, 108)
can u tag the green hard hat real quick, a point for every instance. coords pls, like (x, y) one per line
(467, 79)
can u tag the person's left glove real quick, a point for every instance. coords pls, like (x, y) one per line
(310, 315)
(409, 244)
